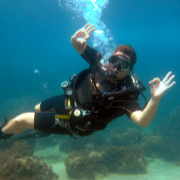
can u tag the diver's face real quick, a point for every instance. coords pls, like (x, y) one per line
(121, 74)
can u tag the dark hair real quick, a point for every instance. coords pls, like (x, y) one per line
(128, 50)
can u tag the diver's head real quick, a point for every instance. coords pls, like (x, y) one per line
(121, 62)
(128, 51)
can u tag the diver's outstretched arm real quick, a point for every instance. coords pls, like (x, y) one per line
(78, 40)
(157, 88)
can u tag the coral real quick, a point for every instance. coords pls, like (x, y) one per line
(84, 164)
(70, 144)
(170, 125)
(87, 164)
(125, 137)
(91, 143)
(158, 147)
(127, 160)
(18, 163)
(168, 129)
(22, 149)
(5, 144)
(25, 168)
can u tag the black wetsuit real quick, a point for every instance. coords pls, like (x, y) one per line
(93, 81)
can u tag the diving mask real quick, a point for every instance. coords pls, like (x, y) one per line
(119, 62)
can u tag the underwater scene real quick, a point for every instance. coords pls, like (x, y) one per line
(48, 49)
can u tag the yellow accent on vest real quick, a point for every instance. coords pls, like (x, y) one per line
(92, 83)
(97, 84)
(67, 117)
(110, 106)
(113, 81)
(69, 102)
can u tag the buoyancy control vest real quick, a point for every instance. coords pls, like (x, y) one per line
(91, 91)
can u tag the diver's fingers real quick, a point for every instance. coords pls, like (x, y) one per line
(91, 31)
(170, 79)
(89, 28)
(151, 84)
(167, 77)
(86, 26)
(87, 37)
(172, 84)
(156, 81)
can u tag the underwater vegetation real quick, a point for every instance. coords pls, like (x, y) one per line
(123, 150)
(119, 150)
(92, 142)
(86, 164)
(168, 129)
(169, 126)
(19, 163)
(125, 137)
(154, 145)
(158, 147)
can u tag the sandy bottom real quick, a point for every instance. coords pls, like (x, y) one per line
(157, 169)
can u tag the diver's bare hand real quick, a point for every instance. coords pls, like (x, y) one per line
(158, 87)
(78, 40)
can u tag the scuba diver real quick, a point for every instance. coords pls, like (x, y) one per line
(92, 99)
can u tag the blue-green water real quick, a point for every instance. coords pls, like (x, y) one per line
(35, 34)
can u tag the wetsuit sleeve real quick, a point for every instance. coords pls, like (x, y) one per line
(91, 55)
(53, 104)
(131, 107)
